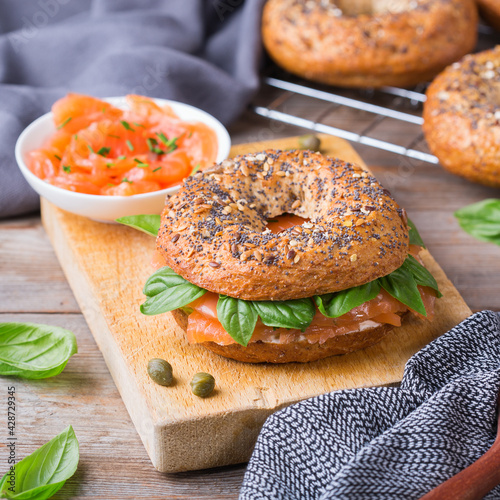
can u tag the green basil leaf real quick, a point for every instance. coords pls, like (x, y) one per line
(238, 318)
(415, 238)
(402, 286)
(286, 314)
(41, 474)
(166, 291)
(148, 223)
(34, 351)
(421, 275)
(481, 220)
(333, 305)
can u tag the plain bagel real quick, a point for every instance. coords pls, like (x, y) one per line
(213, 231)
(368, 43)
(462, 118)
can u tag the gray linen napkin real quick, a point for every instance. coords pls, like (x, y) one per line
(205, 53)
(387, 442)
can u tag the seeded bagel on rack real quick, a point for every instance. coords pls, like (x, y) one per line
(213, 231)
(490, 12)
(368, 43)
(462, 117)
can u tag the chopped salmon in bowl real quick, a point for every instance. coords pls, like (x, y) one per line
(109, 158)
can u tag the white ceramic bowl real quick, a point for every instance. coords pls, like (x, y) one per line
(101, 207)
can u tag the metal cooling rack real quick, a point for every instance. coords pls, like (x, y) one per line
(415, 99)
(382, 109)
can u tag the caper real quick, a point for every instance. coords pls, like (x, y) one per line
(160, 371)
(202, 384)
(309, 141)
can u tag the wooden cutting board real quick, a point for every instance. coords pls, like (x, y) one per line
(107, 265)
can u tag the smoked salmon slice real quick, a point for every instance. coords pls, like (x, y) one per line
(203, 325)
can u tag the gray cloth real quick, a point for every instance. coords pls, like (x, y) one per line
(388, 443)
(202, 52)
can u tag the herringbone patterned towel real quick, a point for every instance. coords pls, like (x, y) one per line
(386, 442)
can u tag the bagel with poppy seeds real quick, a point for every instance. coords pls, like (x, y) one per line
(333, 275)
(368, 43)
(213, 230)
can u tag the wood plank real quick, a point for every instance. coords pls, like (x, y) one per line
(26, 267)
(113, 461)
(107, 265)
(21, 222)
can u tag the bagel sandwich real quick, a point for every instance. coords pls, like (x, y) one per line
(333, 275)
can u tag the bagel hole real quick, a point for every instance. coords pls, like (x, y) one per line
(354, 8)
(284, 221)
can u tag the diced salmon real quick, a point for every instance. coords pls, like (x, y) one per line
(59, 142)
(147, 111)
(43, 163)
(200, 143)
(122, 152)
(167, 172)
(127, 188)
(78, 183)
(76, 112)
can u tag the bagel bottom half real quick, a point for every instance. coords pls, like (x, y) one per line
(294, 352)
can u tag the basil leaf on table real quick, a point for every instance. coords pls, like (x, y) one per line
(41, 474)
(238, 318)
(481, 220)
(148, 223)
(402, 286)
(34, 351)
(333, 305)
(166, 291)
(415, 238)
(296, 314)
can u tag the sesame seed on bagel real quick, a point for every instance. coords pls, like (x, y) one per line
(462, 117)
(214, 230)
(368, 43)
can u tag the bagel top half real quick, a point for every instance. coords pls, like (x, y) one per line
(213, 231)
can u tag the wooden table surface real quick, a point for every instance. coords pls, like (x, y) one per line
(113, 463)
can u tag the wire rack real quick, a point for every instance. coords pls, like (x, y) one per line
(387, 119)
